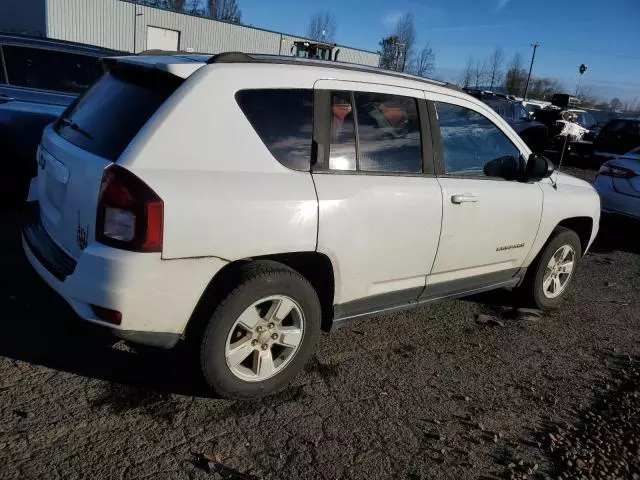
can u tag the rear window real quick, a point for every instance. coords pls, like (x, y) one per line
(284, 121)
(112, 112)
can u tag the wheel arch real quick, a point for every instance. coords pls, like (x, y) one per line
(314, 266)
(582, 226)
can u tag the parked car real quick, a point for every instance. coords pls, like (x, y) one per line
(578, 125)
(39, 78)
(178, 200)
(533, 106)
(534, 133)
(618, 184)
(618, 136)
(571, 128)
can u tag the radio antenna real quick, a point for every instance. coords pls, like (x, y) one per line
(564, 149)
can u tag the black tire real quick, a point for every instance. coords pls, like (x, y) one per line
(532, 288)
(258, 280)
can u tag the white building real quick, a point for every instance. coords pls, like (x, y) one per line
(122, 25)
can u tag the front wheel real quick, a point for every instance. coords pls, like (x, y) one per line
(262, 334)
(548, 280)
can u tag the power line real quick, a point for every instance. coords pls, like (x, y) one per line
(591, 52)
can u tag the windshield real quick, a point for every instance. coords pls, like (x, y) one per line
(110, 114)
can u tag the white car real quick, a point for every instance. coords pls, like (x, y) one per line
(245, 202)
(618, 184)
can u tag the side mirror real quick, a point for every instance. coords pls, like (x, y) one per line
(538, 167)
(506, 167)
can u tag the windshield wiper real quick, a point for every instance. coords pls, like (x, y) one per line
(67, 122)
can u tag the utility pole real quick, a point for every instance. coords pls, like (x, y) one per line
(533, 56)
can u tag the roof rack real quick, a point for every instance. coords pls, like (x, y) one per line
(166, 53)
(241, 57)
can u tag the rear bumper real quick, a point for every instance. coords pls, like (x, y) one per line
(155, 297)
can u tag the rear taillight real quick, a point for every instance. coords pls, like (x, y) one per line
(617, 172)
(130, 214)
(107, 315)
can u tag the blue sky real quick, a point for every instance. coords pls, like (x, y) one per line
(603, 34)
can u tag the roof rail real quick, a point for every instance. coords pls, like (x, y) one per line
(163, 53)
(232, 57)
(240, 57)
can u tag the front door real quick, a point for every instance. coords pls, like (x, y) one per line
(489, 223)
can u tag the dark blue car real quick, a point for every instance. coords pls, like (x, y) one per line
(534, 134)
(39, 78)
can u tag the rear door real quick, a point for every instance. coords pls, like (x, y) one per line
(380, 205)
(88, 137)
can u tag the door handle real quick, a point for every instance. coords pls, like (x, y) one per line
(464, 198)
(4, 98)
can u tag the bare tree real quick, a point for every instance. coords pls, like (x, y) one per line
(587, 96)
(480, 73)
(406, 34)
(496, 62)
(615, 104)
(467, 74)
(223, 10)
(322, 27)
(387, 53)
(175, 5)
(423, 64)
(543, 88)
(397, 49)
(515, 77)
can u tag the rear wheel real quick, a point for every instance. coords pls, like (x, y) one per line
(547, 281)
(262, 334)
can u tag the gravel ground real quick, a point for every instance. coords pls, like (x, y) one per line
(468, 388)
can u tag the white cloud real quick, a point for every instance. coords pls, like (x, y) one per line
(390, 19)
(501, 4)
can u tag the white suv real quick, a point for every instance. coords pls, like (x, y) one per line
(246, 202)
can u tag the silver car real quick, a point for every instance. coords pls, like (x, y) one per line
(618, 184)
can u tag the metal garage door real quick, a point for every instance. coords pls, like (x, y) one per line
(162, 39)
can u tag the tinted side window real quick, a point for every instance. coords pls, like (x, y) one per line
(615, 126)
(471, 142)
(342, 152)
(521, 112)
(50, 69)
(388, 133)
(284, 121)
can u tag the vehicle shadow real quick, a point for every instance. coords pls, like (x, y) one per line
(617, 234)
(39, 327)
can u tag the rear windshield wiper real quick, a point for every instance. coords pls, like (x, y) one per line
(67, 122)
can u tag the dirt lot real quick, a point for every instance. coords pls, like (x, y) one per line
(431, 393)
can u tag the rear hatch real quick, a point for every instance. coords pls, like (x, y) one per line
(88, 137)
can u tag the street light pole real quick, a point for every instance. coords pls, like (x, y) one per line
(533, 56)
(581, 69)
